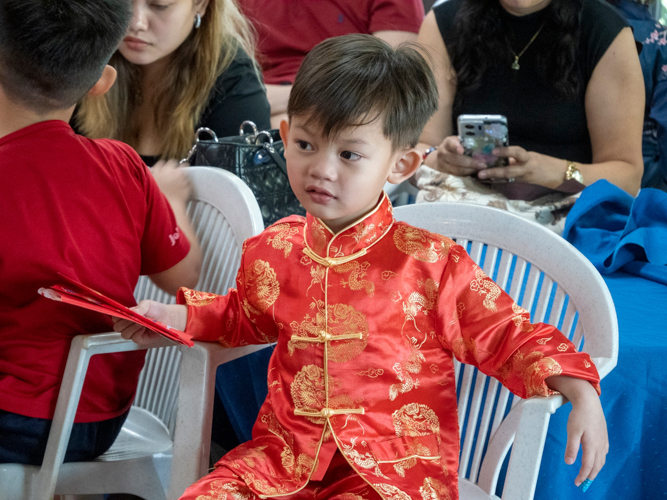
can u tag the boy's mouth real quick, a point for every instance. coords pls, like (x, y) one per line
(319, 195)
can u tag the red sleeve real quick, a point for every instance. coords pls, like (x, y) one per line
(396, 15)
(233, 320)
(163, 244)
(484, 327)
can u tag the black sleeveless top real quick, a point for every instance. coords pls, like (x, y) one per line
(538, 118)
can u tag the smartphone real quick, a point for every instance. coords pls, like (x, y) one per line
(480, 134)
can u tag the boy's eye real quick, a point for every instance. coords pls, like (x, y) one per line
(349, 155)
(303, 145)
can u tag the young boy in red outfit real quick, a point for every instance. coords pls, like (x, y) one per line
(368, 312)
(88, 209)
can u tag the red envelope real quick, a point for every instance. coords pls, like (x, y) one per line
(80, 295)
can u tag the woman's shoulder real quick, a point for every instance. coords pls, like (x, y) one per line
(599, 17)
(241, 69)
(445, 13)
(600, 25)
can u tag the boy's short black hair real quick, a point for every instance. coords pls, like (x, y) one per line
(355, 79)
(53, 51)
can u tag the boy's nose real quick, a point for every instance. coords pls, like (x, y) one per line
(324, 168)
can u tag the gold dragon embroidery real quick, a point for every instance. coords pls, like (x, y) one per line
(262, 288)
(280, 241)
(390, 492)
(421, 245)
(522, 318)
(533, 369)
(365, 461)
(417, 302)
(197, 299)
(483, 285)
(308, 393)
(357, 272)
(432, 489)
(222, 490)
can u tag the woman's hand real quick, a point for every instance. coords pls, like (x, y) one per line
(175, 316)
(451, 160)
(526, 166)
(173, 181)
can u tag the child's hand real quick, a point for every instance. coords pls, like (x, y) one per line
(173, 181)
(173, 315)
(586, 426)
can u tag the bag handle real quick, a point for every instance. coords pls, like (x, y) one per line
(254, 137)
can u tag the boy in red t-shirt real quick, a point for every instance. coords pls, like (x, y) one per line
(88, 209)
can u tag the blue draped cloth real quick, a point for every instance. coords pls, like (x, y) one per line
(616, 231)
(634, 401)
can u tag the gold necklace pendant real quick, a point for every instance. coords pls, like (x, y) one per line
(515, 65)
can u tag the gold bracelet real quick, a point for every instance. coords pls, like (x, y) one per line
(573, 172)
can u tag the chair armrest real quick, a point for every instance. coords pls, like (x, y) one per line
(81, 349)
(192, 433)
(524, 430)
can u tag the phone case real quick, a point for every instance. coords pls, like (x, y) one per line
(480, 134)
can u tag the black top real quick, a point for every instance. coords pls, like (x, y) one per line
(238, 95)
(538, 118)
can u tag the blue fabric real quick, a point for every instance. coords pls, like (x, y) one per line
(634, 401)
(653, 59)
(616, 231)
(241, 385)
(23, 439)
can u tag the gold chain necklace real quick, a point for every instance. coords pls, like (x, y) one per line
(515, 64)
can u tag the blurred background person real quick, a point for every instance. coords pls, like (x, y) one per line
(288, 30)
(182, 65)
(566, 75)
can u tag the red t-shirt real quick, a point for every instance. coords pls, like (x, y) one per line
(288, 29)
(88, 209)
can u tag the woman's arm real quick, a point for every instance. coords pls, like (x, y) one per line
(615, 113)
(438, 131)
(440, 124)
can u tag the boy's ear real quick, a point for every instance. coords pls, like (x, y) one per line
(406, 164)
(284, 131)
(105, 82)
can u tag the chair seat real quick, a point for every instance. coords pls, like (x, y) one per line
(142, 435)
(470, 491)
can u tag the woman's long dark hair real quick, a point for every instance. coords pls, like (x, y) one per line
(479, 41)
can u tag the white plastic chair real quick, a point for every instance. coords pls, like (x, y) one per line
(170, 421)
(558, 285)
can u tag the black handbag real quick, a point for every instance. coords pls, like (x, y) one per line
(258, 159)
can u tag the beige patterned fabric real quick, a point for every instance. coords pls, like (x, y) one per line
(549, 211)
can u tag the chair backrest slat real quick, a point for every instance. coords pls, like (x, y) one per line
(223, 214)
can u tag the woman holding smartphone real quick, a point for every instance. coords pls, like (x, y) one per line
(566, 75)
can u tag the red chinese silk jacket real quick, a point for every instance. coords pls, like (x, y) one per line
(367, 322)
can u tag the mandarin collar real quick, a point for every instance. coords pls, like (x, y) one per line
(352, 241)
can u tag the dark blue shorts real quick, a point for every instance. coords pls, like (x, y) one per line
(23, 439)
